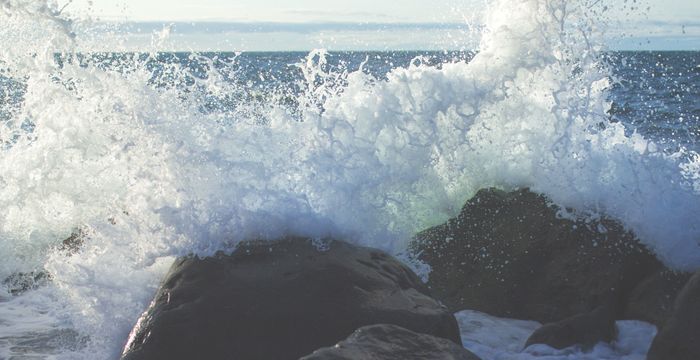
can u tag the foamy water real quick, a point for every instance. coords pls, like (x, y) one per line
(147, 175)
(493, 338)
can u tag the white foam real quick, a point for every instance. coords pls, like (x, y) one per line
(147, 176)
(486, 334)
(493, 338)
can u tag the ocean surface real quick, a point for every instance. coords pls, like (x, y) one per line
(113, 164)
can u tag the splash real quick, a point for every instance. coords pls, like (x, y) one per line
(134, 159)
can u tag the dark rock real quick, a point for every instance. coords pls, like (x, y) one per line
(680, 337)
(21, 282)
(584, 329)
(281, 300)
(390, 342)
(74, 242)
(510, 255)
(652, 300)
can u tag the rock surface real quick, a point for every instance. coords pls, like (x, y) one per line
(584, 329)
(680, 337)
(19, 283)
(510, 255)
(281, 300)
(652, 300)
(390, 342)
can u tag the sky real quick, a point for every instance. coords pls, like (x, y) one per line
(355, 24)
(279, 11)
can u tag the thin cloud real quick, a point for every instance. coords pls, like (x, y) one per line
(274, 27)
(325, 13)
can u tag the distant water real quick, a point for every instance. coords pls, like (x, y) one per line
(144, 157)
(658, 95)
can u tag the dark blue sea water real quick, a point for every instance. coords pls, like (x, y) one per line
(658, 94)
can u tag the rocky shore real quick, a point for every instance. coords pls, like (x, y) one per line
(508, 254)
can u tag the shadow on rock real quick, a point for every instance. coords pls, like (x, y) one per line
(390, 342)
(680, 337)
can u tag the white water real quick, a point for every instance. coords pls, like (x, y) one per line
(148, 177)
(493, 338)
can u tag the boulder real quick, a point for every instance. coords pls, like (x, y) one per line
(391, 342)
(509, 254)
(581, 330)
(680, 337)
(281, 300)
(652, 299)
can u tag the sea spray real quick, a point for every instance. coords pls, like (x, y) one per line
(137, 159)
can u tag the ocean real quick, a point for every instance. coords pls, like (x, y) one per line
(113, 164)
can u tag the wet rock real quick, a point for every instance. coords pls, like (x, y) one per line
(21, 282)
(281, 300)
(390, 342)
(584, 330)
(509, 254)
(679, 339)
(74, 242)
(652, 300)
